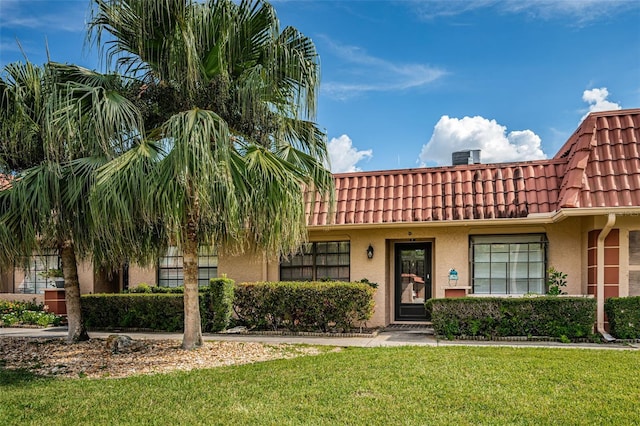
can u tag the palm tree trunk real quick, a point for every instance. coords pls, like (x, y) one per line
(77, 331)
(192, 337)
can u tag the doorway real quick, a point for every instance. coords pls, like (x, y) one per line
(412, 280)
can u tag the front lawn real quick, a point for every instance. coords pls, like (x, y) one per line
(408, 385)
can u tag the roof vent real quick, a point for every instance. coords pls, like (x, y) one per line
(471, 156)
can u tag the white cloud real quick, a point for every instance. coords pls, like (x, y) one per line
(597, 98)
(343, 156)
(66, 15)
(366, 73)
(579, 11)
(459, 134)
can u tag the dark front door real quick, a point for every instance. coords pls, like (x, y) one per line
(413, 280)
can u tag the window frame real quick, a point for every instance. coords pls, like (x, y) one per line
(164, 264)
(34, 270)
(510, 266)
(313, 258)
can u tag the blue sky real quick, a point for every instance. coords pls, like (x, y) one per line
(405, 83)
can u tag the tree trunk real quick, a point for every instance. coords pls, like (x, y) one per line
(192, 328)
(77, 331)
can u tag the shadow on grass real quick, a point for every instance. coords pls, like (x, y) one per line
(20, 376)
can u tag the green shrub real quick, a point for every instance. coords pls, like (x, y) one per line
(304, 306)
(7, 306)
(156, 311)
(162, 312)
(624, 316)
(140, 288)
(556, 282)
(30, 312)
(217, 301)
(167, 290)
(7, 320)
(146, 288)
(572, 317)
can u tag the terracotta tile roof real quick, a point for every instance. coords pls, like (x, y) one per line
(599, 166)
(5, 181)
(603, 161)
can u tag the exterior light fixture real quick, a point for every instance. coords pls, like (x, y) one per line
(370, 252)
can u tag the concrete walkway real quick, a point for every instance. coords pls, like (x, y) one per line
(390, 337)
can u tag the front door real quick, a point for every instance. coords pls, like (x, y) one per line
(412, 281)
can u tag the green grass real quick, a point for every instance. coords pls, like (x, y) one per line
(409, 385)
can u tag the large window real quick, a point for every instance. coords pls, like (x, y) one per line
(508, 264)
(36, 278)
(318, 261)
(170, 272)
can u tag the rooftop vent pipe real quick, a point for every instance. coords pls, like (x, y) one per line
(470, 156)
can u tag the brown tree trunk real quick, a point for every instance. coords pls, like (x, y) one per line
(77, 331)
(192, 328)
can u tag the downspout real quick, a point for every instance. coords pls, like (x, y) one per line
(611, 220)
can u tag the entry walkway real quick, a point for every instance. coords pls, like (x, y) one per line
(390, 337)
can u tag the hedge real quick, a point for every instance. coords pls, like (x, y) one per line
(304, 306)
(624, 316)
(562, 317)
(162, 312)
(159, 311)
(216, 305)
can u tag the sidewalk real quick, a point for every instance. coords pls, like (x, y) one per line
(395, 337)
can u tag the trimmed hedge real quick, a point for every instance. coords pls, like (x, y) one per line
(303, 306)
(562, 317)
(159, 311)
(624, 316)
(146, 288)
(162, 312)
(216, 305)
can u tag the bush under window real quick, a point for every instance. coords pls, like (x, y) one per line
(568, 317)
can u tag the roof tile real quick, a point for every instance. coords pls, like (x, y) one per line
(599, 166)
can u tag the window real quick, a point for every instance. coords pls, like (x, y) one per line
(170, 273)
(634, 263)
(318, 261)
(34, 282)
(508, 264)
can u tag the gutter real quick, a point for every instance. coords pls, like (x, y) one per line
(531, 219)
(611, 220)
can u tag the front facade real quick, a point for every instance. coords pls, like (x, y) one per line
(474, 229)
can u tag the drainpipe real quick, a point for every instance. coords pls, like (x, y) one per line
(611, 220)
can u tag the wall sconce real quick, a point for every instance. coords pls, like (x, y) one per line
(370, 252)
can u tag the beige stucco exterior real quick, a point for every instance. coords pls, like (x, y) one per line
(142, 275)
(450, 249)
(567, 252)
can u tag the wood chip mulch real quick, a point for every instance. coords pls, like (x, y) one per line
(96, 359)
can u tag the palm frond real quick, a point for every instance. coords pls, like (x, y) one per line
(122, 206)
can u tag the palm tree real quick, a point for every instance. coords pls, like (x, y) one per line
(60, 123)
(230, 145)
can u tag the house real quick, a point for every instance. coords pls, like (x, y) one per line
(471, 229)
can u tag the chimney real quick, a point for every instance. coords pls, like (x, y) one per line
(471, 156)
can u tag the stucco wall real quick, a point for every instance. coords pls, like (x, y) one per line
(6, 282)
(567, 252)
(85, 276)
(18, 297)
(139, 275)
(450, 249)
(567, 244)
(245, 268)
(624, 224)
